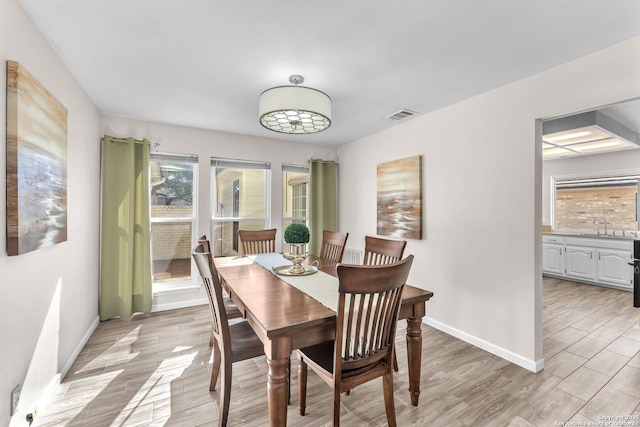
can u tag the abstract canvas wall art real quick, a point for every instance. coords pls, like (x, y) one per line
(36, 164)
(400, 198)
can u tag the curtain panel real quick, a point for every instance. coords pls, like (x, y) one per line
(125, 257)
(323, 202)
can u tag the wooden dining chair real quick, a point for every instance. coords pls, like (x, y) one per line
(258, 241)
(232, 343)
(333, 244)
(382, 251)
(368, 305)
(232, 310)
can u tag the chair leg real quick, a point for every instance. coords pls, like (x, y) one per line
(215, 368)
(302, 386)
(289, 389)
(336, 407)
(387, 383)
(225, 398)
(395, 361)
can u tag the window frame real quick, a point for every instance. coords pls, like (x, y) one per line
(216, 162)
(192, 281)
(586, 176)
(285, 219)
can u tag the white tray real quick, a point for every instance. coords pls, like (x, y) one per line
(284, 270)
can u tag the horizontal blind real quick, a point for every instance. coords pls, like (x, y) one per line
(295, 168)
(611, 181)
(173, 157)
(238, 164)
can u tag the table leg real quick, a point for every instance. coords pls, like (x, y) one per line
(414, 357)
(278, 382)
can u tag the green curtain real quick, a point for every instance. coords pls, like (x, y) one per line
(323, 202)
(125, 264)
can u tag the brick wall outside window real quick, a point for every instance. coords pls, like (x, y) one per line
(576, 209)
(171, 240)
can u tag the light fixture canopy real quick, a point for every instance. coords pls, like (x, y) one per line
(295, 109)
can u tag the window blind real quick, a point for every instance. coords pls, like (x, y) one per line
(173, 157)
(238, 164)
(611, 181)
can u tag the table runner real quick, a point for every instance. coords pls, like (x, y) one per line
(320, 286)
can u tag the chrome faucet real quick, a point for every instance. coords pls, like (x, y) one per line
(605, 224)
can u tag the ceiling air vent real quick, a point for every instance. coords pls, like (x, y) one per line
(401, 115)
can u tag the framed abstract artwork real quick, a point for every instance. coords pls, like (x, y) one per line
(36, 164)
(400, 198)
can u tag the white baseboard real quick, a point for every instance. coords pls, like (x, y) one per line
(180, 304)
(57, 378)
(529, 364)
(72, 358)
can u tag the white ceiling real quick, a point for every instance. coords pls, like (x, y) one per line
(203, 63)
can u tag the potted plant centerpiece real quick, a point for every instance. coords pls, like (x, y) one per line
(296, 235)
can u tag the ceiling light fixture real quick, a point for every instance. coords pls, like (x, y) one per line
(585, 133)
(295, 109)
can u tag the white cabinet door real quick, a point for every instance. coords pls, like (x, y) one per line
(552, 258)
(580, 262)
(613, 267)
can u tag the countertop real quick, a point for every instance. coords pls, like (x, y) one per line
(591, 235)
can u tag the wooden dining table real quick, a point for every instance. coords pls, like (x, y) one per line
(286, 318)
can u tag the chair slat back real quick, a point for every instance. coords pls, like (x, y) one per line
(205, 243)
(258, 241)
(333, 244)
(211, 280)
(382, 251)
(368, 307)
(206, 246)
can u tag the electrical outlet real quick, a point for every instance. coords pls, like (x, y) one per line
(31, 416)
(15, 399)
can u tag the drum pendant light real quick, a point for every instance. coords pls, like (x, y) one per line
(295, 109)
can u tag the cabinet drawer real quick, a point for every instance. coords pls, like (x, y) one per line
(546, 238)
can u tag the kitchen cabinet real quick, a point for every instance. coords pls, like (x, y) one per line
(613, 267)
(595, 260)
(552, 258)
(579, 262)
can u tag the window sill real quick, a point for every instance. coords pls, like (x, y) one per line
(160, 289)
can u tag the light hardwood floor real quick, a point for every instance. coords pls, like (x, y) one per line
(153, 370)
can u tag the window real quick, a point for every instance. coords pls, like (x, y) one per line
(584, 203)
(240, 201)
(295, 187)
(172, 216)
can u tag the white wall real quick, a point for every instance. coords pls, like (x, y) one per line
(480, 253)
(49, 297)
(482, 206)
(207, 144)
(607, 162)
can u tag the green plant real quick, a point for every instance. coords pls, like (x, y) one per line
(296, 233)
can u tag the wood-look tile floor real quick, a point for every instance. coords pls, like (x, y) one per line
(153, 370)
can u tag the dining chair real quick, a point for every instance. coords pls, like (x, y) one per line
(367, 316)
(232, 310)
(232, 342)
(382, 251)
(258, 241)
(333, 244)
